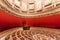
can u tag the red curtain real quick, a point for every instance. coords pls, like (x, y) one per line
(8, 20)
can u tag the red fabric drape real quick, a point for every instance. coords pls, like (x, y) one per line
(8, 20)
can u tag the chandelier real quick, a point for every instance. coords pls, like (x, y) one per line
(30, 8)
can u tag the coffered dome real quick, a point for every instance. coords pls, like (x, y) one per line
(30, 8)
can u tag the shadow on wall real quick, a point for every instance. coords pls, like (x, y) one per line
(2, 28)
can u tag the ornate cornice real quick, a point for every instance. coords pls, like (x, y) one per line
(47, 9)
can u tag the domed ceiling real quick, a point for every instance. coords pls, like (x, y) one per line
(31, 8)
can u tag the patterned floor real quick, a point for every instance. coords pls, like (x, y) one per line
(32, 35)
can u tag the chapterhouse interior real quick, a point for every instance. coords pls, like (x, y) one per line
(29, 19)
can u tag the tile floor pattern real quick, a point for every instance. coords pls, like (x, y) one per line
(32, 35)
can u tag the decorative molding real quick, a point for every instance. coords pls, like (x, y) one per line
(48, 9)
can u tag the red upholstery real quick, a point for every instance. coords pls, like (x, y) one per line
(8, 20)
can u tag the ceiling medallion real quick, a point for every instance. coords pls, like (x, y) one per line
(30, 8)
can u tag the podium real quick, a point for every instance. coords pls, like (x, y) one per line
(25, 26)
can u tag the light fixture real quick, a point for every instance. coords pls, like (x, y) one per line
(29, 8)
